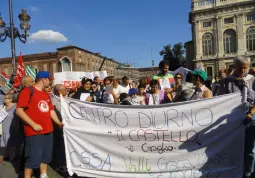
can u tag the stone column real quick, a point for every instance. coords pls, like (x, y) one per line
(241, 43)
(215, 36)
(219, 37)
(196, 36)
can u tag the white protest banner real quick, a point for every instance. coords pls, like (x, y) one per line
(72, 79)
(185, 140)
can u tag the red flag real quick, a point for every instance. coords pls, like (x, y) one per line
(5, 75)
(20, 72)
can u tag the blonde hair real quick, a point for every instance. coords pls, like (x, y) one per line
(114, 83)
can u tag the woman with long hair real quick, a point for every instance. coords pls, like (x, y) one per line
(156, 96)
(12, 136)
(145, 82)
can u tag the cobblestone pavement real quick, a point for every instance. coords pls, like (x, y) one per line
(7, 171)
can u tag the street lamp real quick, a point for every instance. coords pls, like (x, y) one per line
(152, 69)
(13, 33)
(24, 26)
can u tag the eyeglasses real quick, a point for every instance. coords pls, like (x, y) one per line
(94, 86)
(7, 98)
(178, 77)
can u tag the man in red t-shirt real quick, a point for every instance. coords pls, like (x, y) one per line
(37, 113)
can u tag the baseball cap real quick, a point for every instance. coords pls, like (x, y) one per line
(132, 91)
(200, 73)
(43, 74)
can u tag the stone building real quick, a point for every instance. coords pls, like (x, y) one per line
(72, 58)
(189, 49)
(148, 71)
(221, 30)
(69, 58)
(127, 70)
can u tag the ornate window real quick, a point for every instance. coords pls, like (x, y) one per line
(229, 20)
(205, 2)
(207, 24)
(250, 39)
(36, 68)
(209, 71)
(229, 41)
(6, 71)
(207, 43)
(250, 17)
(45, 67)
(65, 64)
(54, 67)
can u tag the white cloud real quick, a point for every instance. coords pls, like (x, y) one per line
(47, 36)
(34, 9)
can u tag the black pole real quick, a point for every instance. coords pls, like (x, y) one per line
(100, 68)
(12, 40)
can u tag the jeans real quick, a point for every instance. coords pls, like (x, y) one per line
(249, 150)
(38, 149)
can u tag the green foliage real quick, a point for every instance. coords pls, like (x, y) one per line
(174, 55)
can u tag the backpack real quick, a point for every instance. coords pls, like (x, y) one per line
(31, 89)
(31, 93)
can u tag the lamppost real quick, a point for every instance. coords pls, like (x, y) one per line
(152, 69)
(13, 33)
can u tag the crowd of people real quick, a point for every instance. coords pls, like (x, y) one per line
(33, 114)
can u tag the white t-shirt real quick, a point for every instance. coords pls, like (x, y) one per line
(154, 99)
(118, 90)
(125, 89)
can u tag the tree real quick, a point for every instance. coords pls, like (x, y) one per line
(174, 55)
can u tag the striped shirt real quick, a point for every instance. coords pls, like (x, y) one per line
(166, 81)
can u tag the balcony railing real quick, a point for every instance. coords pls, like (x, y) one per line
(250, 53)
(207, 4)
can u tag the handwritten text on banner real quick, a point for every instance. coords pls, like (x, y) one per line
(186, 140)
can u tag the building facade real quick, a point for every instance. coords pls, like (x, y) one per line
(222, 30)
(189, 49)
(148, 71)
(72, 58)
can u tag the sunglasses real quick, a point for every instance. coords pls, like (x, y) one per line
(178, 77)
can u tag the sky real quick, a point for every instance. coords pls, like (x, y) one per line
(130, 31)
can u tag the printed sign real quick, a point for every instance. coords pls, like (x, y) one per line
(185, 140)
(164, 83)
(73, 79)
(3, 115)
